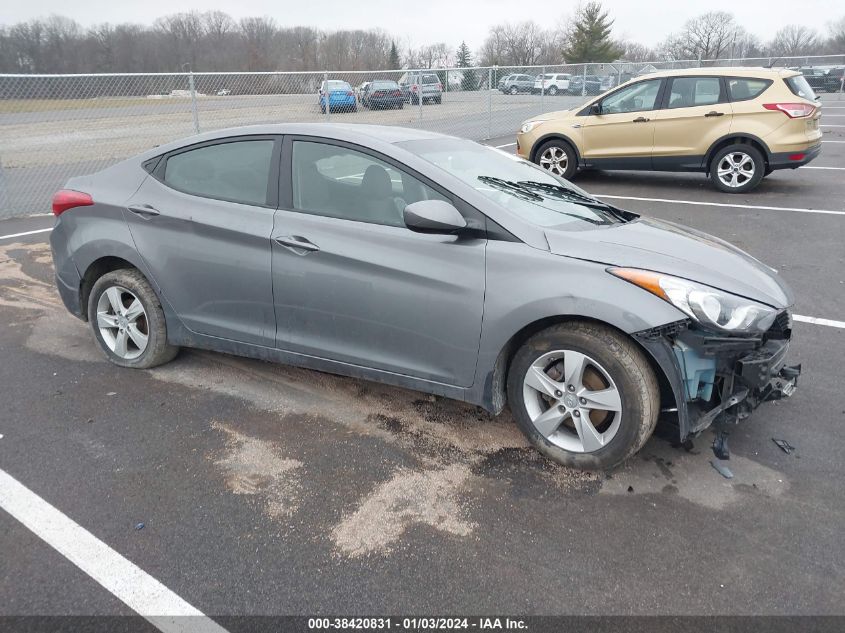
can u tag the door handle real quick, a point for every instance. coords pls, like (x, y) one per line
(296, 243)
(641, 119)
(714, 113)
(144, 210)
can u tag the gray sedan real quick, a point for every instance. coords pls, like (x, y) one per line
(430, 262)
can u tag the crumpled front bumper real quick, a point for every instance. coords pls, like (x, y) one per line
(720, 379)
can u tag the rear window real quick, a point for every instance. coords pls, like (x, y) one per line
(742, 88)
(799, 87)
(430, 79)
(384, 85)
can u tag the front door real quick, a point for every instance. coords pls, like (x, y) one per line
(202, 223)
(621, 136)
(353, 284)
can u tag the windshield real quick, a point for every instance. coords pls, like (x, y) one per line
(522, 188)
(338, 85)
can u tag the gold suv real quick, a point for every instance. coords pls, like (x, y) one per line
(735, 124)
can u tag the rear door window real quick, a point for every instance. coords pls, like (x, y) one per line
(237, 171)
(742, 88)
(687, 92)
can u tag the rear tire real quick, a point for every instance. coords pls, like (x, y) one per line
(613, 404)
(514, 90)
(130, 334)
(737, 168)
(558, 157)
(552, 91)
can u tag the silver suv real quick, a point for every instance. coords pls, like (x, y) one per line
(428, 85)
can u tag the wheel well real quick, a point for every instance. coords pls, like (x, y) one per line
(96, 270)
(503, 362)
(553, 137)
(737, 140)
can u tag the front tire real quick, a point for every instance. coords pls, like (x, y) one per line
(514, 90)
(552, 91)
(128, 322)
(558, 157)
(737, 168)
(584, 395)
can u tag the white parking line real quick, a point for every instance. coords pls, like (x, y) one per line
(8, 237)
(817, 167)
(505, 145)
(833, 141)
(818, 321)
(721, 204)
(133, 586)
(829, 125)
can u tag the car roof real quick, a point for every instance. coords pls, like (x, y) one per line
(732, 71)
(363, 134)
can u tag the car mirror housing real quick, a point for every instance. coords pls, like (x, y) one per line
(595, 108)
(433, 216)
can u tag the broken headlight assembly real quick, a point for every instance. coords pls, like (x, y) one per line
(714, 309)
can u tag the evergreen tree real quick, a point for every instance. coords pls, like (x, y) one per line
(393, 61)
(589, 37)
(469, 81)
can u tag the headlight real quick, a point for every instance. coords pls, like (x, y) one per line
(528, 126)
(712, 308)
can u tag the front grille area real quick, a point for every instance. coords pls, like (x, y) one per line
(782, 327)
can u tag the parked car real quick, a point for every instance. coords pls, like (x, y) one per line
(592, 82)
(516, 83)
(382, 94)
(426, 84)
(735, 124)
(338, 95)
(815, 76)
(374, 251)
(830, 81)
(223, 92)
(552, 83)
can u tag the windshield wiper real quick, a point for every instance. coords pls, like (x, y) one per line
(518, 191)
(570, 195)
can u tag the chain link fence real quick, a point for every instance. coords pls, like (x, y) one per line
(53, 127)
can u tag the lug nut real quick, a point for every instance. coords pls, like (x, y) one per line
(582, 400)
(576, 413)
(558, 393)
(561, 408)
(571, 387)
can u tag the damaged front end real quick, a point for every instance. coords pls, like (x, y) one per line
(717, 379)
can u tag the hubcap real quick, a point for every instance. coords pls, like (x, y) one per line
(735, 169)
(572, 401)
(122, 322)
(555, 160)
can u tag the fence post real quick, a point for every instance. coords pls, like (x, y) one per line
(584, 83)
(489, 103)
(327, 95)
(543, 86)
(419, 94)
(5, 204)
(193, 100)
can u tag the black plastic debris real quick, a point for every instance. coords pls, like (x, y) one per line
(783, 445)
(630, 489)
(140, 526)
(724, 471)
(720, 445)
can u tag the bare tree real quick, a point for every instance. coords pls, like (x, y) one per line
(793, 40)
(707, 36)
(636, 52)
(522, 44)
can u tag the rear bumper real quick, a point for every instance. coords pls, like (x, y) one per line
(794, 159)
(717, 379)
(69, 292)
(380, 102)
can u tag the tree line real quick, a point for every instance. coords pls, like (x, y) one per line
(214, 41)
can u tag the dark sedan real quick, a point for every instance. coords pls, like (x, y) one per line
(382, 94)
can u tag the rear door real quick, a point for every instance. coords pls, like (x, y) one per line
(695, 113)
(622, 135)
(353, 284)
(202, 223)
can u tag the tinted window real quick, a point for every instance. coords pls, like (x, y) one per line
(634, 98)
(686, 92)
(524, 189)
(741, 89)
(237, 171)
(799, 87)
(340, 182)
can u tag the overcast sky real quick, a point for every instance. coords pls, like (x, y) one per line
(450, 21)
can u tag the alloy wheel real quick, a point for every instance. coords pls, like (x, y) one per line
(555, 160)
(736, 169)
(572, 401)
(122, 322)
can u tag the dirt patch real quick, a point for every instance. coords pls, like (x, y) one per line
(258, 467)
(430, 497)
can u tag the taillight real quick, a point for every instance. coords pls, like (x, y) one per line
(414, 88)
(65, 199)
(792, 110)
(397, 93)
(348, 93)
(440, 87)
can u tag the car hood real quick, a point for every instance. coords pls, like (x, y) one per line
(675, 250)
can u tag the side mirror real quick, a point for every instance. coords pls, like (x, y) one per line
(433, 216)
(595, 108)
